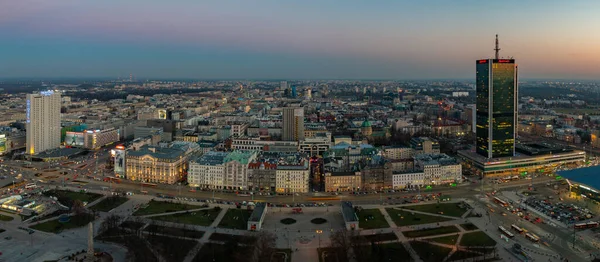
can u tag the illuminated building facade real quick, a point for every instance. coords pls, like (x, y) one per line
(155, 164)
(496, 109)
(95, 139)
(42, 123)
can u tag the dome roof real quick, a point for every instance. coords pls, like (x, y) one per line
(366, 124)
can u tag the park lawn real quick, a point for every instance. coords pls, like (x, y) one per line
(407, 218)
(429, 252)
(448, 240)
(236, 219)
(475, 239)
(109, 203)
(377, 220)
(221, 253)
(171, 248)
(72, 195)
(447, 209)
(430, 231)
(461, 255)
(469, 227)
(53, 226)
(391, 252)
(6, 218)
(157, 207)
(200, 217)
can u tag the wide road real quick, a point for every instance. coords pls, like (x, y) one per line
(465, 190)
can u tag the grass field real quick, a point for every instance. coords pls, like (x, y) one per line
(389, 252)
(221, 253)
(172, 249)
(109, 203)
(477, 239)
(448, 240)
(67, 197)
(330, 254)
(236, 219)
(53, 226)
(447, 209)
(6, 218)
(157, 207)
(406, 218)
(200, 218)
(174, 231)
(371, 219)
(469, 227)
(428, 252)
(431, 231)
(460, 255)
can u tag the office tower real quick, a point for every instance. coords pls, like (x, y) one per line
(308, 95)
(42, 121)
(294, 91)
(283, 85)
(496, 108)
(293, 124)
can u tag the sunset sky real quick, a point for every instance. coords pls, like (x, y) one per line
(296, 39)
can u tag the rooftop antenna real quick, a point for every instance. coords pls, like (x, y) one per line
(497, 49)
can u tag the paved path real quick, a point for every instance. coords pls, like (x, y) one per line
(174, 212)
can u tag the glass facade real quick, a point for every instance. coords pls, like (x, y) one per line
(496, 107)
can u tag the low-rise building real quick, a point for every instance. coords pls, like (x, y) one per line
(95, 139)
(438, 169)
(398, 152)
(343, 181)
(424, 145)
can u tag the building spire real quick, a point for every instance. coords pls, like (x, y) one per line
(497, 49)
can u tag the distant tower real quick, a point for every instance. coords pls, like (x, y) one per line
(308, 95)
(366, 128)
(293, 124)
(90, 251)
(283, 85)
(496, 107)
(130, 77)
(294, 91)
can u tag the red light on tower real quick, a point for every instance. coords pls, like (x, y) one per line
(482, 61)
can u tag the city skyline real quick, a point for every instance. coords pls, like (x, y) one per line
(293, 40)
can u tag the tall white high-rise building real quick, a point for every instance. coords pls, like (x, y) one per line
(43, 121)
(283, 85)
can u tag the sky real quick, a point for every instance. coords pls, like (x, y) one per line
(289, 39)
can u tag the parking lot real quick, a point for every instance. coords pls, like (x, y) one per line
(562, 212)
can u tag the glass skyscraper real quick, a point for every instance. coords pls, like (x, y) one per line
(496, 115)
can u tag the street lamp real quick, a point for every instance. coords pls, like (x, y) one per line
(319, 232)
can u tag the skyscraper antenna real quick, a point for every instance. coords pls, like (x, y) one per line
(497, 49)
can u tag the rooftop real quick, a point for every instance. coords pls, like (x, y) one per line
(259, 209)
(212, 158)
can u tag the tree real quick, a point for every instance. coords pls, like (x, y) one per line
(263, 246)
(78, 207)
(110, 223)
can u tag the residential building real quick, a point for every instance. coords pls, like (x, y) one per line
(42, 124)
(424, 145)
(292, 178)
(398, 152)
(207, 171)
(438, 169)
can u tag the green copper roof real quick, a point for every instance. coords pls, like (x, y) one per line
(243, 157)
(366, 123)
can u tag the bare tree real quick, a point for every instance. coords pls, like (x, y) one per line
(110, 223)
(263, 246)
(78, 207)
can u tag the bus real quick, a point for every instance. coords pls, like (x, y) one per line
(586, 225)
(30, 186)
(323, 198)
(506, 232)
(532, 237)
(518, 229)
(148, 185)
(500, 202)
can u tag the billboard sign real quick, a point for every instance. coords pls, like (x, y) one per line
(162, 114)
(75, 139)
(119, 166)
(2, 143)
